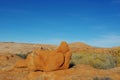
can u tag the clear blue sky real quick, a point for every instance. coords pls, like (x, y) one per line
(95, 22)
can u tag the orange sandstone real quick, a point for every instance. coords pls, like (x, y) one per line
(46, 60)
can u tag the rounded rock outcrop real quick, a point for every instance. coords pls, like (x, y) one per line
(45, 60)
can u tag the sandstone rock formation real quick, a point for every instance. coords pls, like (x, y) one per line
(45, 60)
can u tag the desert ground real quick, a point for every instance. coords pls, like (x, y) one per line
(86, 63)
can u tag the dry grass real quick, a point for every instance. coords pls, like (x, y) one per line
(101, 61)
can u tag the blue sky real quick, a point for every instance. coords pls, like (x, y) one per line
(95, 22)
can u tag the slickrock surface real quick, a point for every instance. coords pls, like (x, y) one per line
(79, 72)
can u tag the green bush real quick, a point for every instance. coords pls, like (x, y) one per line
(101, 61)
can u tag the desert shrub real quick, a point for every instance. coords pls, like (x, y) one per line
(117, 55)
(23, 56)
(117, 58)
(102, 78)
(101, 61)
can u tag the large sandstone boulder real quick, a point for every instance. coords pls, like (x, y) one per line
(45, 60)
